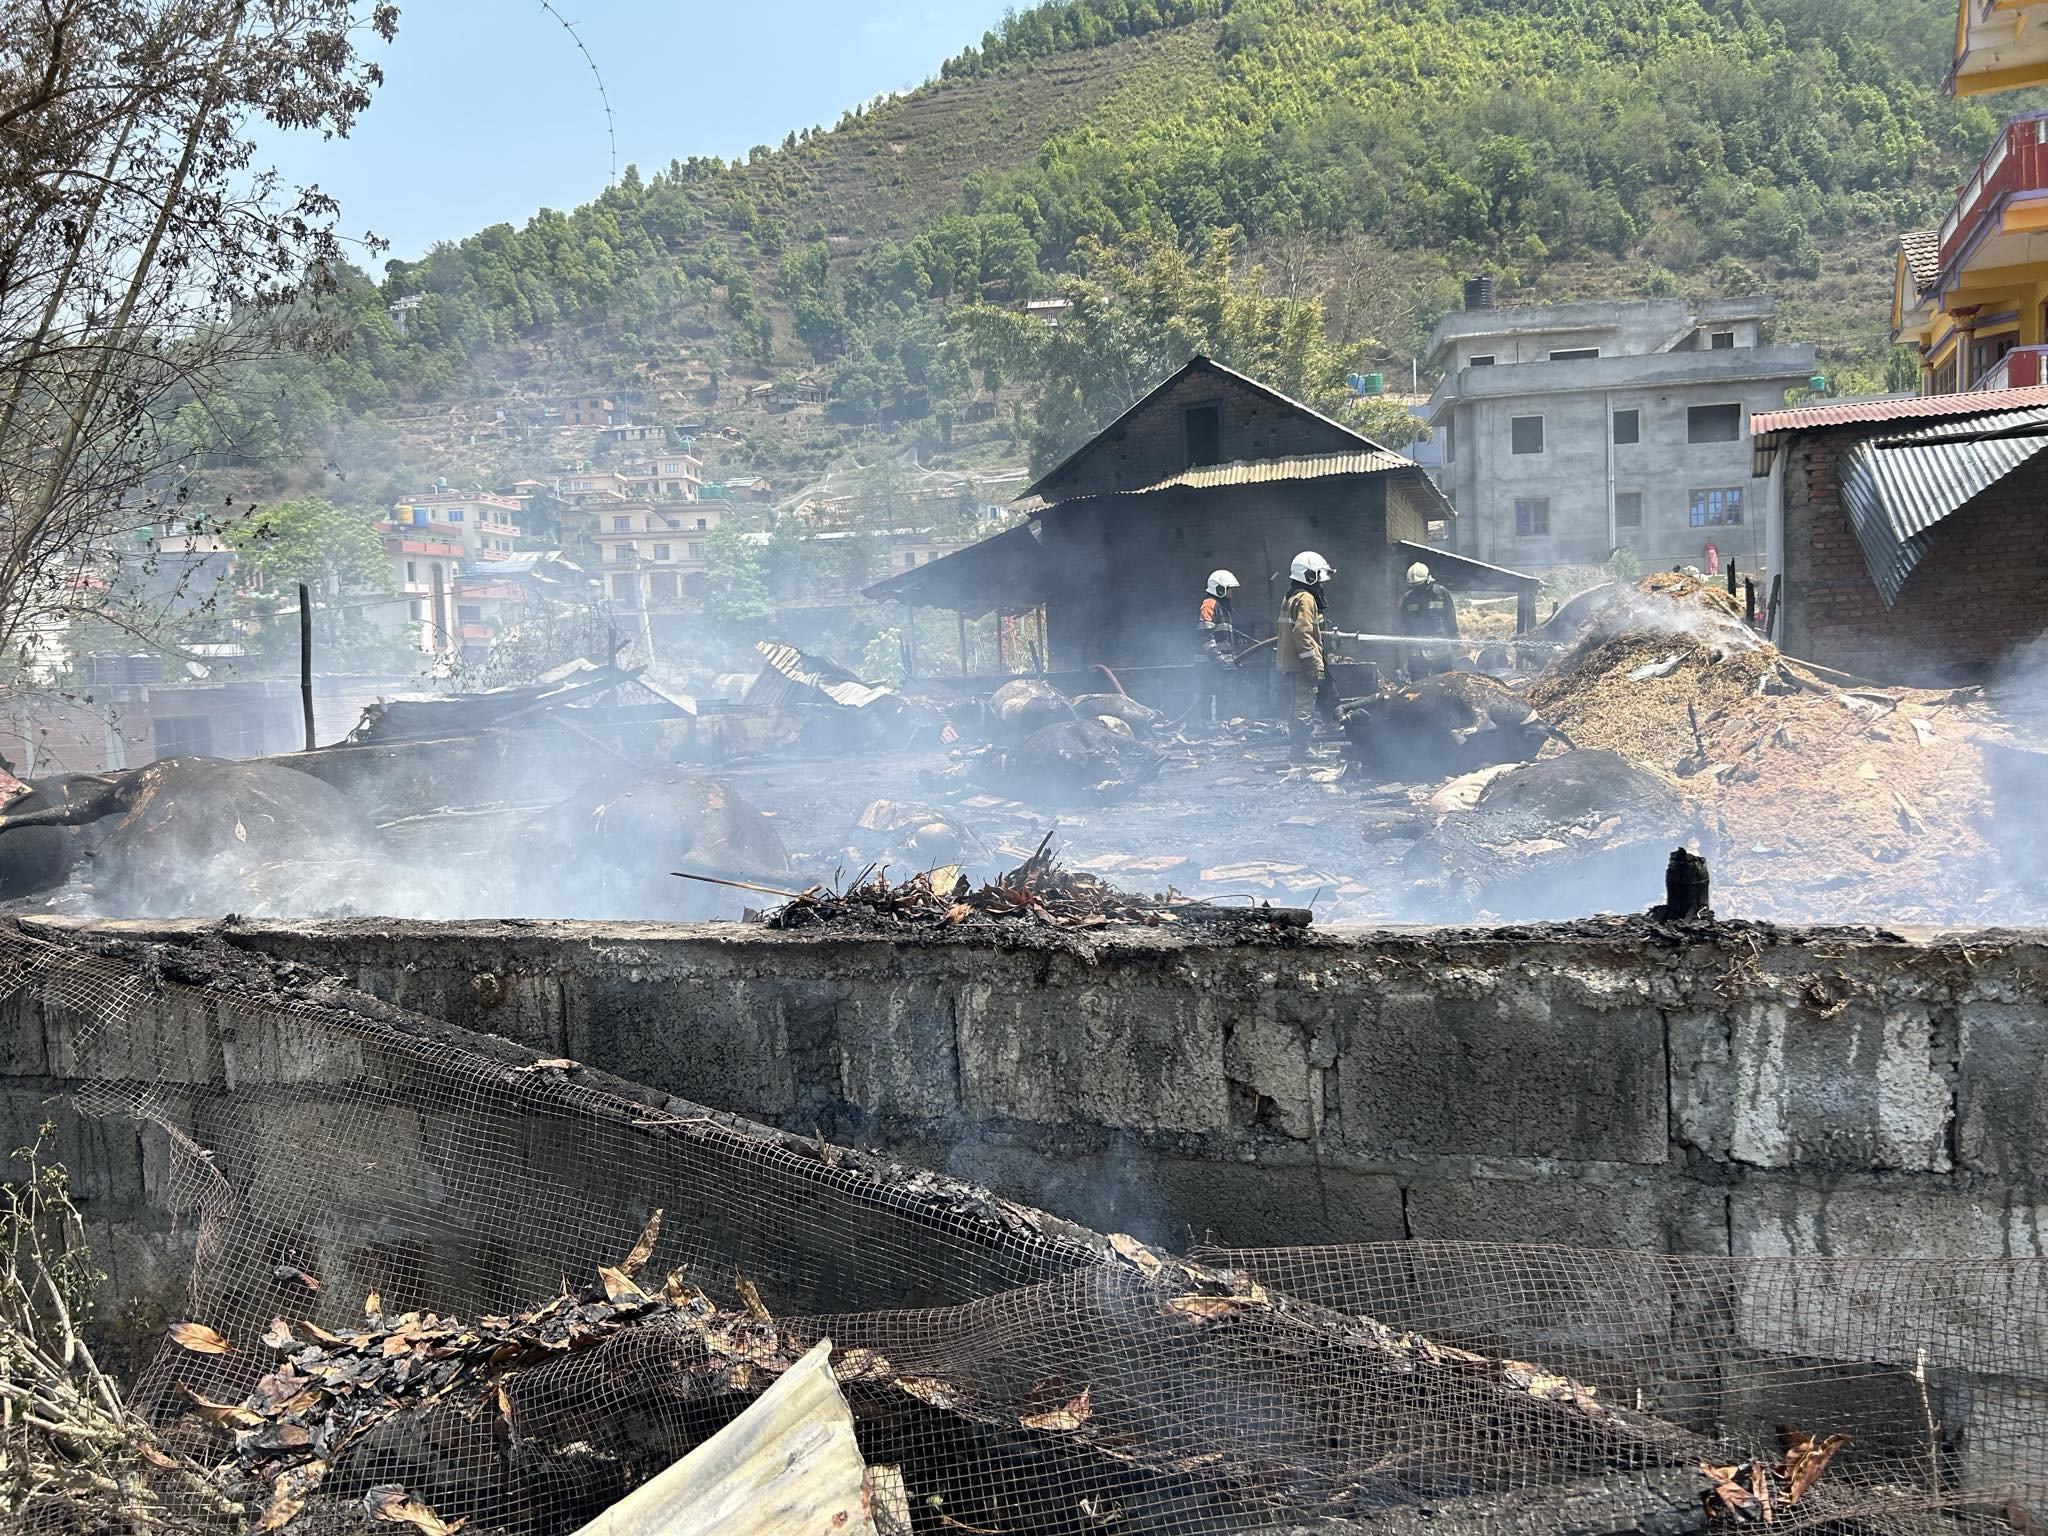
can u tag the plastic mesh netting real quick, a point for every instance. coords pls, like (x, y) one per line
(432, 1263)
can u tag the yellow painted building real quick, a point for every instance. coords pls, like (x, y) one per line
(1972, 296)
(2001, 45)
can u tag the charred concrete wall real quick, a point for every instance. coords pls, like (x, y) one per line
(1762, 1093)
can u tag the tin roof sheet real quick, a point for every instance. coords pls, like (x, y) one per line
(1896, 489)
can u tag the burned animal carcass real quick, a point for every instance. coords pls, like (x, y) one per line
(1447, 724)
(198, 834)
(1018, 709)
(1582, 832)
(1076, 759)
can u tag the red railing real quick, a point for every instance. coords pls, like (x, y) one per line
(2016, 162)
(2020, 368)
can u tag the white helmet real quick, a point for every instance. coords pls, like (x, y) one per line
(1417, 574)
(1222, 583)
(1311, 568)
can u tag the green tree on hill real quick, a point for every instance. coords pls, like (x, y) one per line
(1137, 312)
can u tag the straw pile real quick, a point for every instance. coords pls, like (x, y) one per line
(1832, 801)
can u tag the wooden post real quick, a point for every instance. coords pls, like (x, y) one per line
(306, 660)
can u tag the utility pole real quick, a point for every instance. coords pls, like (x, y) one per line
(306, 660)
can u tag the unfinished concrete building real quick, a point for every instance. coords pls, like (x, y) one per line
(1571, 430)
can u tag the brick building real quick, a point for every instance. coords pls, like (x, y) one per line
(1210, 469)
(1907, 536)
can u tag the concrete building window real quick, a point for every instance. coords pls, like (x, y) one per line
(455, 514)
(1716, 508)
(469, 613)
(1525, 434)
(1713, 423)
(1628, 509)
(661, 551)
(622, 525)
(1628, 427)
(1574, 354)
(1450, 440)
(702, 525)
(1481, 360)
(696, 551)
(415, 610)
(184, 736)
(1204, 425)
(1721, 341)
(412, 570)
(1532, 517)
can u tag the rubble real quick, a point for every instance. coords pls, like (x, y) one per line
(1038, 891)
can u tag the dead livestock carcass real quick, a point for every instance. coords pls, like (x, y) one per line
(53, 823)
(1018, 709)
(1076, 759)
(1565, 837)
(201, 835)
(1444, 725)
(1141, 718)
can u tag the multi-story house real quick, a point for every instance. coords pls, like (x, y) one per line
(671, 477)
(1971, 296)
(1569, 430)
(654, 555)
(442, 546)
(588, 411)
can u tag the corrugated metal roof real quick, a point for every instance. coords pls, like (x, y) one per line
(1319, 466)
(1849, 413)
(791, 671)
(1007, 571)
(1896, 489)
(1466, 574)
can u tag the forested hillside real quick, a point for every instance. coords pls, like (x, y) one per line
(1369, 152)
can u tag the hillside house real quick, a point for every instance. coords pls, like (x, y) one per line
(587, 411)
(1209, 469)
(1905, 533)
(653, 555)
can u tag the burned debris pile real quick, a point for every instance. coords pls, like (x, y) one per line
(1040, 891)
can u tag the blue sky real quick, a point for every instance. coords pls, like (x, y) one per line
(488, 112)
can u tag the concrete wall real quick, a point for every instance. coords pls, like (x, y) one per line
(1980, 592)
(1581, 470)
(1761, 1094)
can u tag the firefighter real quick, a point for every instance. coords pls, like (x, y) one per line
(1427, 611)
(1217, 641)
(1298, 648)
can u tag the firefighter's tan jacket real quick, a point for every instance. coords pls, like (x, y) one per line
(1298, 647)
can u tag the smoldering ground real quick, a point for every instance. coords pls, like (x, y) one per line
(1664, 722)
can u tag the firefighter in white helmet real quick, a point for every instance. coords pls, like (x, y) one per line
(1298, 648)
(1428, 611)
(1217, 643)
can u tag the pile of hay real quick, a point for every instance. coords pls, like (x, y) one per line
(1830, 800)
